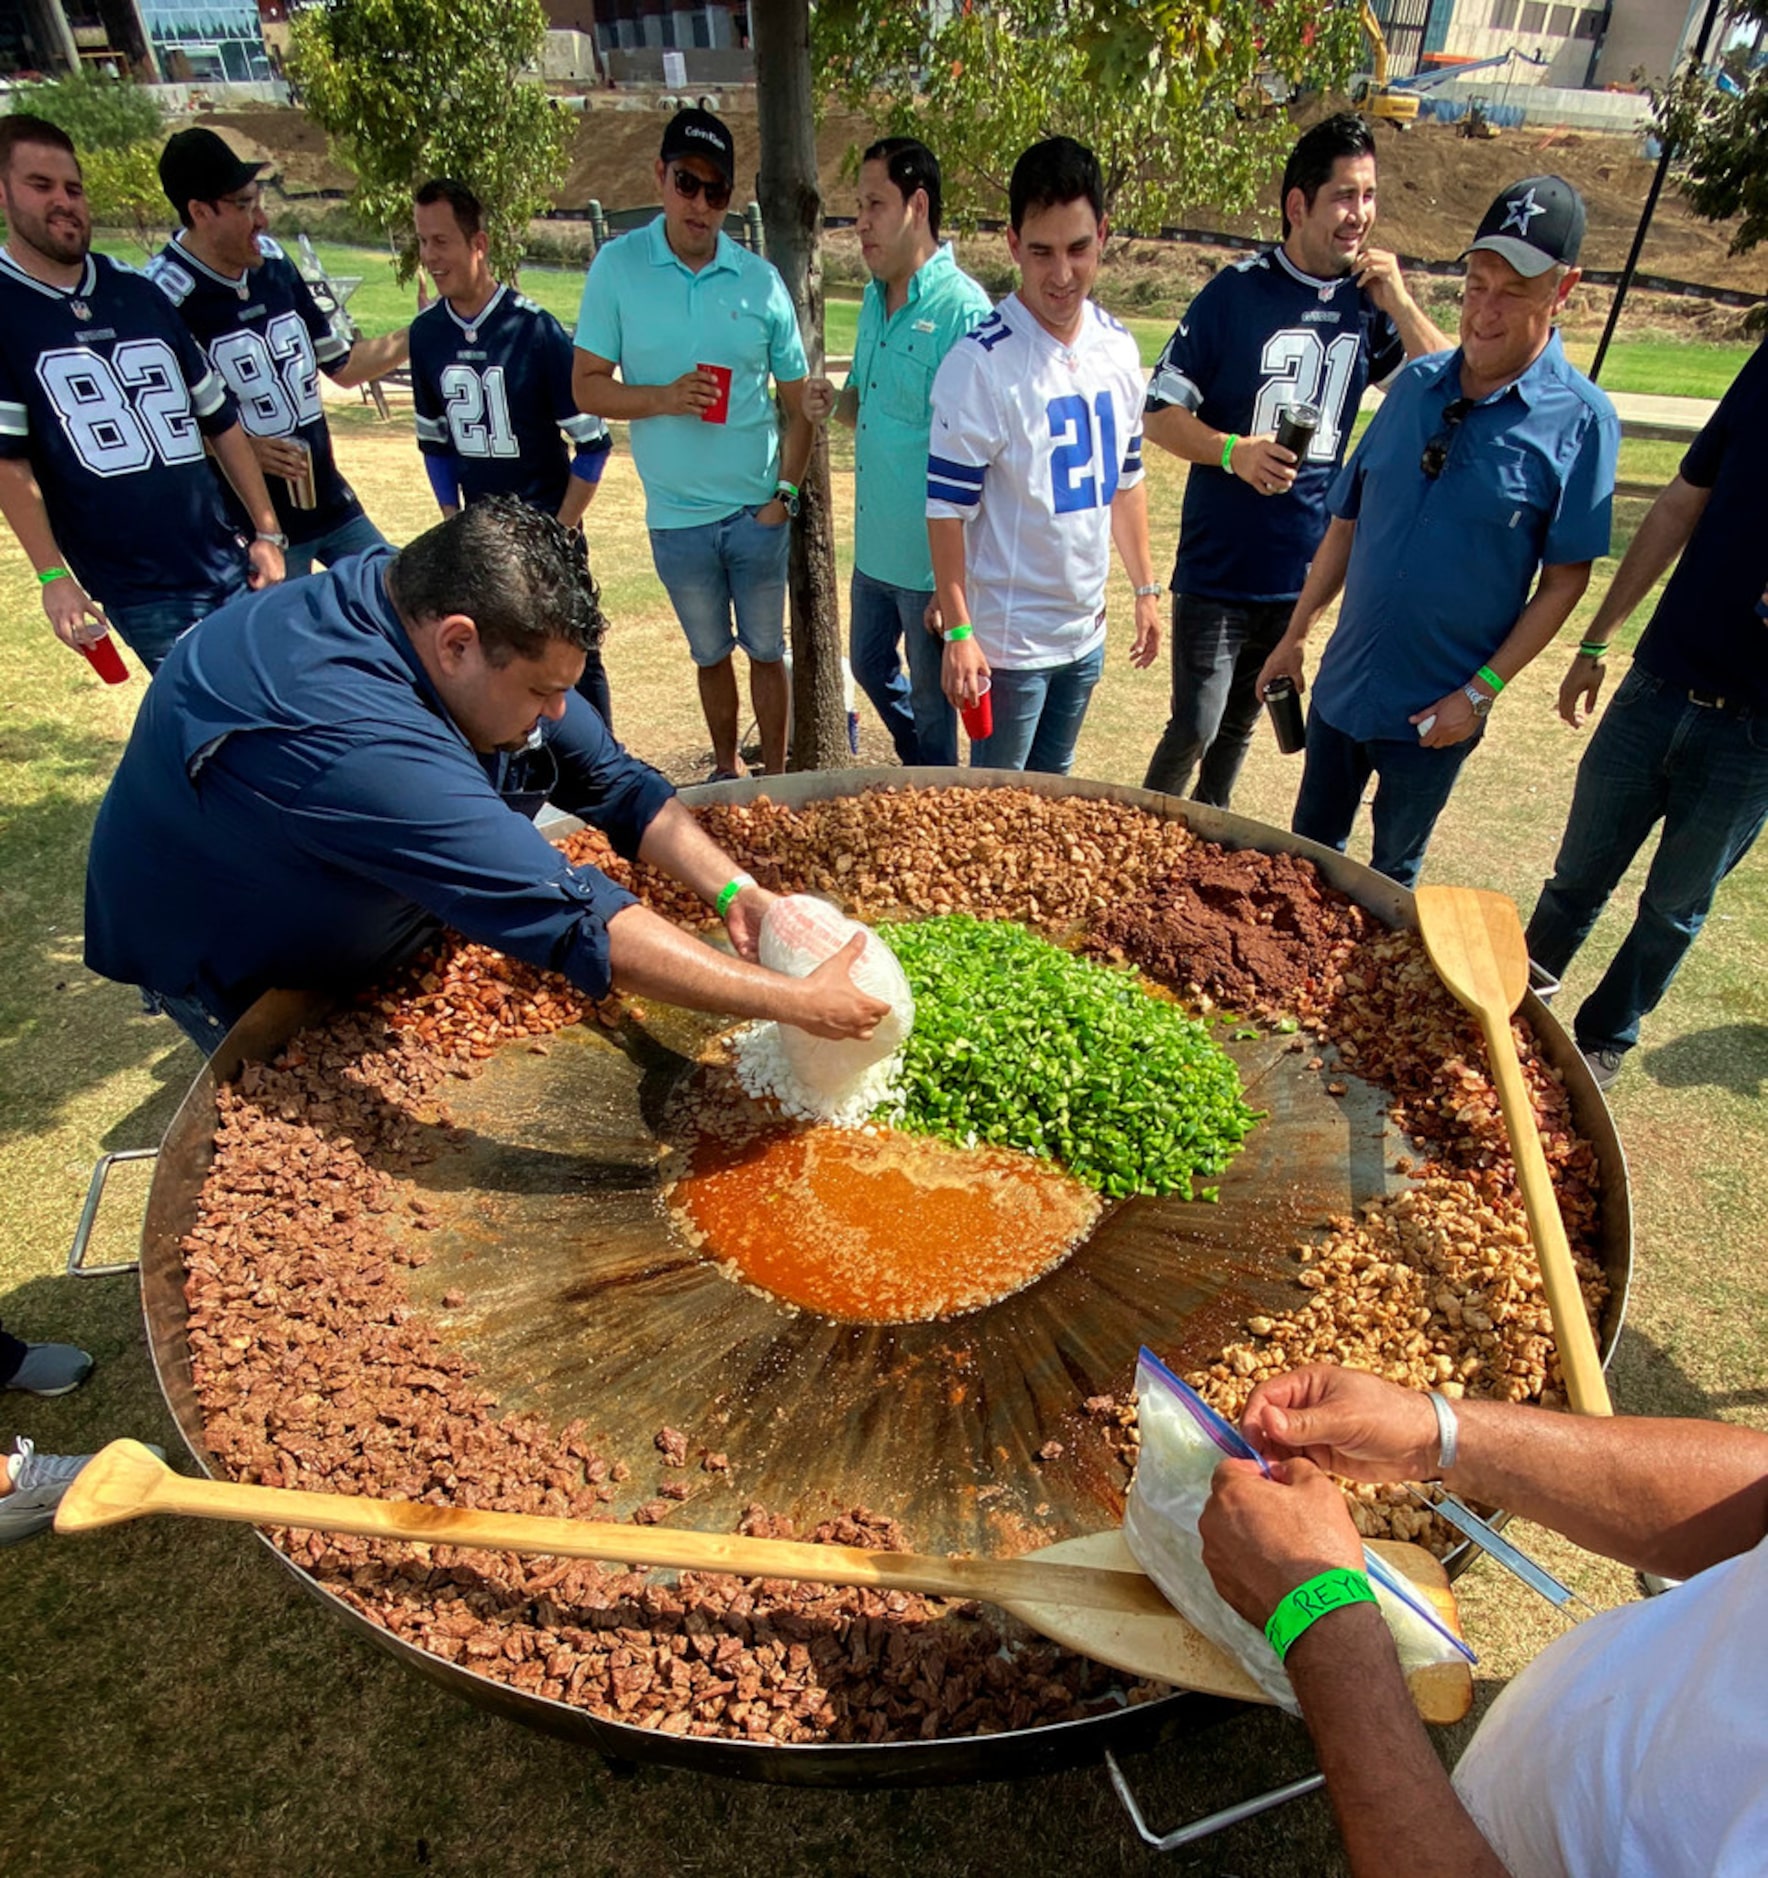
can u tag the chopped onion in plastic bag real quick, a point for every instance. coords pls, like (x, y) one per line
(798, 933)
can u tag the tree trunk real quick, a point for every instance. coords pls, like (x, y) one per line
(791, 215)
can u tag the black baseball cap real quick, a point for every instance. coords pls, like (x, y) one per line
(200, 166)
(698, 133)
(1534, 225)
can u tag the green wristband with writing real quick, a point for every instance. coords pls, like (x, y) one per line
(53, 573)
(1491, 678)
(727, 894)
(1594, 649)
(1307, 1604)
(1228, 451)
(966, 631)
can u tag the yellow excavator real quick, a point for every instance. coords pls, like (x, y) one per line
(1384, 102)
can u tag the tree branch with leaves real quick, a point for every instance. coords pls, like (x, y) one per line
(419, 88)
(1180, 100)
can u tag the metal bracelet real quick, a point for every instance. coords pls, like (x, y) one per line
(1448, 1433)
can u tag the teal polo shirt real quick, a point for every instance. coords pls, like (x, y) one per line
(894, 359)
(656, 318)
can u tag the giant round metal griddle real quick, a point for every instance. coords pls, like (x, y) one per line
(582, 1301)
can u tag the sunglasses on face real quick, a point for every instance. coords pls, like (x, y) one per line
(718, 195)
(1436, 452)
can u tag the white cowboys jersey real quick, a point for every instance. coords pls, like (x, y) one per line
(1031, 440)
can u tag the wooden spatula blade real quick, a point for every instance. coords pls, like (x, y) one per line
(1475, 941)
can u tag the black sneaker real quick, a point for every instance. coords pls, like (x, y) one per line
(50, 1369)
(1604, 1064)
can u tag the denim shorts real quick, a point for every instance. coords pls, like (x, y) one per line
(736, 566)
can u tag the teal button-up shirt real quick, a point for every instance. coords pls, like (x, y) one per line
(894, 360)
(656, 318)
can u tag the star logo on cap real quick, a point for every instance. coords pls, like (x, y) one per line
(1522, 211)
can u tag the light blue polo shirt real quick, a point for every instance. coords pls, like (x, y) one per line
(1440, 570)
(894, 359)
(656, 318)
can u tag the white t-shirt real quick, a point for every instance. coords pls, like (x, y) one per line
(1030, 441)
(1637, 1746)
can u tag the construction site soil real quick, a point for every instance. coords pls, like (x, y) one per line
(1435, 185)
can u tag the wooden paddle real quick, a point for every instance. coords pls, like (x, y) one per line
(1086, 1594)
(1475, 942)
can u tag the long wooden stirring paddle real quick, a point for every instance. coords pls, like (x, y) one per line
(1087, 1594)
(1475, 942)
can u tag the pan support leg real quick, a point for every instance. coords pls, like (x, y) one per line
(1210, 1823)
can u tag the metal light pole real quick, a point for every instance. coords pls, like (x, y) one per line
(1651, 202)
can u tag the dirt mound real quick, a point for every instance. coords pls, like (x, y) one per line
(1435, 184)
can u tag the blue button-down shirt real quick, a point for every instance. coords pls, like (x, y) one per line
(1440, 570)
(656, 318)
(297, 808)
(895, 356)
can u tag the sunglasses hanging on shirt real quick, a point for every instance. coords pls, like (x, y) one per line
(1436, 452)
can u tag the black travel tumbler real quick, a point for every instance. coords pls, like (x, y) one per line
(1296, 424)
(1284, 704)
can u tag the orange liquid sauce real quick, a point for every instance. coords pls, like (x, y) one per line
(886, 1228)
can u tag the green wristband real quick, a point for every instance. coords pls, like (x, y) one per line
(53, 573)
(1491, 678)
(1228, 451)
(1594, 649)
(1308, 1603)
(965, 631)
(727, 894)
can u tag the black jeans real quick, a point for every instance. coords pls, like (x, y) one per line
(1219, 647)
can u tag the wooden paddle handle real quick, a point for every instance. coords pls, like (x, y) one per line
(124, 1481)
(1579, 1362)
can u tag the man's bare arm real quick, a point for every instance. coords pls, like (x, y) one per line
(373, 358)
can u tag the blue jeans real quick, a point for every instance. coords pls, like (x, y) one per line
(189, 1013)
(1219, 647)
(1655, 756)
(350, 537)
(1414, 784)
(922, 725)
(1038, 715)
(150, 629)
(734, 566)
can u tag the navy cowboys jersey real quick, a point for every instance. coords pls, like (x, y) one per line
(494, 393)
(108, 398)
(265, 335)
(1263, 334)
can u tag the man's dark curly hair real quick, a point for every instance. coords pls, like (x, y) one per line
(518, 574)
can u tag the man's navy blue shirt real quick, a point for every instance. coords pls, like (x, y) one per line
(1706, 634)
(107, 396)
(296, 808)
(266, 336)
(493, 394)
(1440, 569)
(1259, 336)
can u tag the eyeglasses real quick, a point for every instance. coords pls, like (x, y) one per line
(718, 195)
(1436, 452)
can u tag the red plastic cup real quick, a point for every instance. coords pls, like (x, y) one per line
(719, 411)
(107, 661)
(979, 717)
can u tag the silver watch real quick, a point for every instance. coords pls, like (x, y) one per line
(1477, 698)
(276, 541)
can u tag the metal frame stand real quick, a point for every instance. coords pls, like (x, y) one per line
(77, 1266)
(1210, 1823)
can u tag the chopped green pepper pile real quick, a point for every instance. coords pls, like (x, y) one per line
(1021, 1045)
